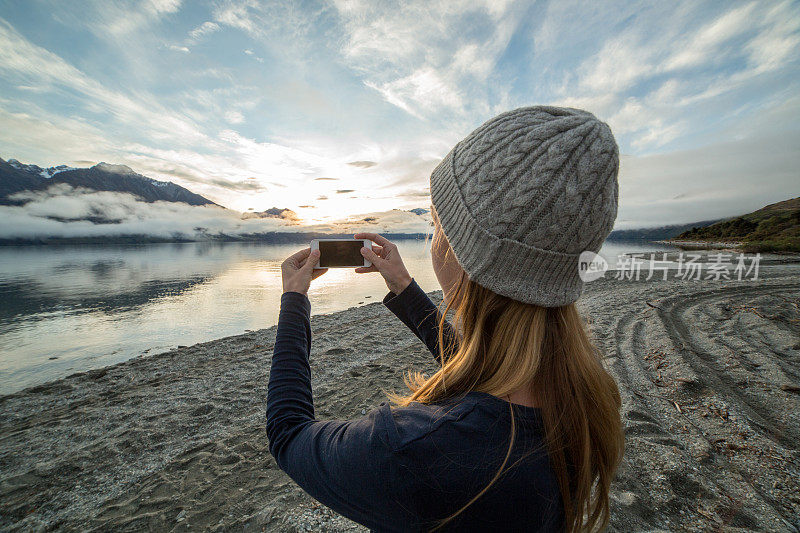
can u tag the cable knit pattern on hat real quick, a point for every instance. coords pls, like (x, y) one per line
(523, 195)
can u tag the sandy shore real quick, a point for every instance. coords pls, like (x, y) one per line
(175, 441)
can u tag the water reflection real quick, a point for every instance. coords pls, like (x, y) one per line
(29, 298)
(70, 309)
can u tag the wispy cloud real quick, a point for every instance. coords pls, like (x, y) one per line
(255, 104)
(252, 54)
(648, 88)
(362, 164)
(204, 29)
(423, 66)
(123, 19)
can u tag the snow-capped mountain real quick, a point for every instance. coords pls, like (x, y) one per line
(16, 177)
(46, 173)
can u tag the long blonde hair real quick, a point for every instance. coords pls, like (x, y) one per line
(508, 345)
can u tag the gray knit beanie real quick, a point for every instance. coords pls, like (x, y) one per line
(523, 195)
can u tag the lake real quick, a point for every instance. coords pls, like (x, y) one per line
(71, 309)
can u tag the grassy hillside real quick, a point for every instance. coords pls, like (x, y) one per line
(774, 228)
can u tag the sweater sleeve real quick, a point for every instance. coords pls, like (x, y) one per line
(346, 465)
(416, 310)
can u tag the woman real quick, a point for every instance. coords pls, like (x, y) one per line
(519, 429)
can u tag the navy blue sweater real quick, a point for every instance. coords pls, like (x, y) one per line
(401, 469)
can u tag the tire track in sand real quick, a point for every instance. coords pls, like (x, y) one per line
(673, 310)
(689, 467)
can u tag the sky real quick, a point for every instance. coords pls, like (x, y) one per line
(340, 109)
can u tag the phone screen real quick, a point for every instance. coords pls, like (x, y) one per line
(340, 253)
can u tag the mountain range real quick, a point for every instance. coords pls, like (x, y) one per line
(16, 177)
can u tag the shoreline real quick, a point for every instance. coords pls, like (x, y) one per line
(704, 245)
(176, 440)
(140, 240)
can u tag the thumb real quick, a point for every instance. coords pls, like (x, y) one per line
(311, 261)
(371, 256)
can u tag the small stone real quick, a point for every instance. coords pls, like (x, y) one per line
(626, 498)
(363, 411)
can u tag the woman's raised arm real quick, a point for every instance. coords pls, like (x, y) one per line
(346, 465)
(417, 311)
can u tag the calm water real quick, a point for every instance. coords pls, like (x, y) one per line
(71, 309)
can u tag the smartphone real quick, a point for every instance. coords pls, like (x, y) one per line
(341, 253)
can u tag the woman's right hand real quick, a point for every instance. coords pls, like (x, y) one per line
(385, 258)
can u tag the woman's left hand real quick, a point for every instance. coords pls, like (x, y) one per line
(298, 271)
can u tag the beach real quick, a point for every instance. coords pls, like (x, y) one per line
(708, 371)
